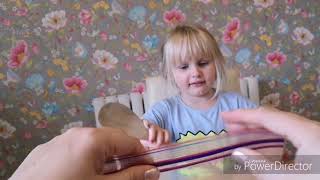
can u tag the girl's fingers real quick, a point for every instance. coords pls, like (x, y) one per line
(166, 137)
(152, 133)
(160, 137)
(146, 124)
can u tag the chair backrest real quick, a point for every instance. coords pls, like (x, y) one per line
(157, 89)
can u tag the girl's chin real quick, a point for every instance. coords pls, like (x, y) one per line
(200, 93)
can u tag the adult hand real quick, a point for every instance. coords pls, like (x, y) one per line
(80, 153)
(302, 132)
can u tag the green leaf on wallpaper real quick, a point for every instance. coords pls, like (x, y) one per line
(239, 39)
(244, 40)
(51, 118)
(4, 53)
(61, 32)
(268, 12)
(94, 15)
(221, 29)
(29, 64)
(13, 40)
(153, 51)
(50, 34)
(33, 5)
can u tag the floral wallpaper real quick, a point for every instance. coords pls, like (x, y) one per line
(57, 55)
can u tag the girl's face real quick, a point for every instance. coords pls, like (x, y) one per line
(195, 77)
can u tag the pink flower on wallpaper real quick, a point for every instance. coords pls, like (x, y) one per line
(232, 31)
(304, 13)
(19, 55)
(21, 12)
(142, 57)
(42, 124)
(5, 22)
(139, 88)
(102, 94)
(35, 48)
(174, 16)
(298, 68)
(290, 2)
(247, 26)
(85, 17)
(206, 1)
(103, 36)
(263, 3)
(2, 164)
(275, 59)
(27, 135)
(127, 67)
(225, 2)
(75, 84)
(295, 98)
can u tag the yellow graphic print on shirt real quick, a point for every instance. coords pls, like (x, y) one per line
(190, 136)
(202, 171)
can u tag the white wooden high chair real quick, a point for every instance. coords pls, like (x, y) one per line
(156, 89)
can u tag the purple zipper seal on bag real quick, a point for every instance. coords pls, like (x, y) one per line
(120, 163)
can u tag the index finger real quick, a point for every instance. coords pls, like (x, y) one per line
(104, 143)
(119, 143)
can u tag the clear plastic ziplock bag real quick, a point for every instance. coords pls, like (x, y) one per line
(205, 158)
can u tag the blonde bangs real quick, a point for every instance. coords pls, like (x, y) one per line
(187, 44)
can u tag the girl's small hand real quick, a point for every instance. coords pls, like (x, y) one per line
(157, 135)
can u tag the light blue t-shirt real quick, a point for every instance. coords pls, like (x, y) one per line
(180, 119)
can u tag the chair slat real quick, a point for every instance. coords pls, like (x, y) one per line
(124, 99)
(136, 103)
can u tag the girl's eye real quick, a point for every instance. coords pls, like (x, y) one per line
(184, 66)
(203, 63)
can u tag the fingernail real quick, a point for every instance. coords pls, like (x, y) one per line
(239, 155)
(152, 174)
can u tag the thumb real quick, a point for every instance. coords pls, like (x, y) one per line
(146, 124)
(249, 160)
(245, 156)
(148, 145)
(143, 172)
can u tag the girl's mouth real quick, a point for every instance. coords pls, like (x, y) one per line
(197, 84)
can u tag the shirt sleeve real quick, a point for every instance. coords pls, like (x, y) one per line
(158, 114)
(245, 103)
(232, 101)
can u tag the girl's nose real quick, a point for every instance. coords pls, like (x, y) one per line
(195, 72)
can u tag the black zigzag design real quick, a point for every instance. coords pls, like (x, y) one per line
(194, 134)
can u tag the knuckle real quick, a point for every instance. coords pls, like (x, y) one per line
(89, 137)
(133, 175)
(74, 130)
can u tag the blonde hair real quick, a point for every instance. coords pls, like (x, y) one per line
(186, 42)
